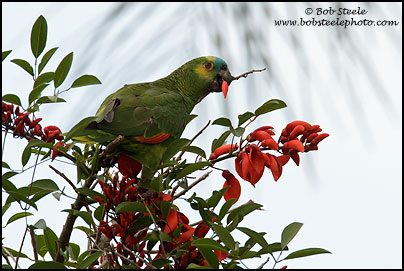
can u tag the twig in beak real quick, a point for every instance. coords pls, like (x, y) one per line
(247, 73)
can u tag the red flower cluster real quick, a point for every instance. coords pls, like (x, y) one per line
(127, 190)
(23, 126)
(251, 160)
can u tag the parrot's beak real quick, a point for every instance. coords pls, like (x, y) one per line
(222, 81)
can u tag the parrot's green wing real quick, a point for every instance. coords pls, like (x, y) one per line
(145, 109)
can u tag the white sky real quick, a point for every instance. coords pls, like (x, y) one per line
(351, 204)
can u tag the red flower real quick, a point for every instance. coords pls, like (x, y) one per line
(128, 166)
(55, 151)
(250, 164)
(225, 149)
(276, 164)
(234, 191)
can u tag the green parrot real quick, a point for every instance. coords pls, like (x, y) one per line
(151, 115)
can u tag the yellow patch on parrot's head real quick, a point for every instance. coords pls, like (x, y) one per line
(205, 66)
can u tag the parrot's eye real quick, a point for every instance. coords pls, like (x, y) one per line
(208, 65)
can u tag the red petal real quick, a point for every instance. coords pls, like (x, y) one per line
(221, 255)
(234, 191)
(225, 149)
(289, 128)
(128, 166)
(185, 236)
(318, 138)
(271, 143)
(172, 221)
(260, 135)
(225, 88)
(276, 169)
(295, 157)
(298, 130)
(201, 230)
(295, 144)
(283, 159)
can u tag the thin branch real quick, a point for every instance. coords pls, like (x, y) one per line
(192, 140)
(203, 177)
(64, 177)
(22, 243)
(264, 263)
(12, 257)
(155, 226)
(247, 73)
(33, 242)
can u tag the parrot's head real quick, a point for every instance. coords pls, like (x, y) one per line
(204, 75)
(214, 72)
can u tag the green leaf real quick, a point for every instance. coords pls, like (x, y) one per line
(244, 117)
(11, 98)
(223, 122)
(18, 196)
(224, 209)
(239, 131)
(4, 165)
(40, 244)
(243, 211)
(196, 150)
(210, 257)
(306, 252)
(174, 148)
(40, 224)
(36, 92)
(47, 265)
(45, 59)
(46, 184)
(86, 216)
(289, 233)
(274, 247)
(51, 240)
(5, 208)
(131, 207)
(216, 196)
(85, 80)
(38, 36)
(165, 207)
(14, 253)
(269, 106)
(255, 236)
(224, 235)
(208, 243)
(18, 216)
(57, 195)
(99, 212)
(74, 251)
(5, 54)
(83, 229)
(26, 154)
(50, 99)
(78, 127)
(63, 69)
(25, 65)
(159, 263)
(192, 168)
(196, 266)
(141, 223)
(44, 78)
(216, 143)
(89, 260)
(91, 193)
